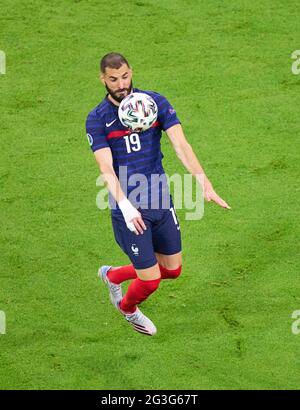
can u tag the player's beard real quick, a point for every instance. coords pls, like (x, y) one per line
(116, 94)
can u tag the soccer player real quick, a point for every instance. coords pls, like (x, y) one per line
(150, 236)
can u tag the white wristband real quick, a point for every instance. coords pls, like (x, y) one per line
(129, 212)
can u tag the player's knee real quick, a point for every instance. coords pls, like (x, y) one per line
(149, 274)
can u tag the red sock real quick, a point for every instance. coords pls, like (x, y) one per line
(169, 273)
(138, 291)
(122, 273)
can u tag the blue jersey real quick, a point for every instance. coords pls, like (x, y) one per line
(134, 153)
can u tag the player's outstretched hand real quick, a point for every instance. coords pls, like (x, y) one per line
(211, 195)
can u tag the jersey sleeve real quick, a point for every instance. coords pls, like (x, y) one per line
(166, 114)
(95, 131)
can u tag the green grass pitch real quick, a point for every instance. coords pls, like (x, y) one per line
(226, 322)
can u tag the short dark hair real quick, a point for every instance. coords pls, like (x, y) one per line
(112, 60)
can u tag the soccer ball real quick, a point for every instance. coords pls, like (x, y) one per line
(138, 111)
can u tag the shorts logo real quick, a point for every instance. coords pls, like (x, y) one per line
(90, 139)
(135, 249)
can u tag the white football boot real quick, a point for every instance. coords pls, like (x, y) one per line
(115, 291)
(140, 322)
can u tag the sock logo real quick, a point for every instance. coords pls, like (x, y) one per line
(135, 249)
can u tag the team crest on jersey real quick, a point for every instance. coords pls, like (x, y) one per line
(135, 249)
(90, 139)
(171, 110)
